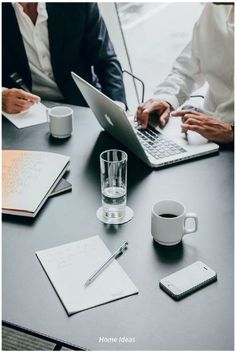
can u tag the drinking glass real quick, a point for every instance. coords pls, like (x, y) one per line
(113, 169)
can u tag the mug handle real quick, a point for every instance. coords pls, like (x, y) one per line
(194, 229)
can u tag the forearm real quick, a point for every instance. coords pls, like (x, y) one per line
(186, 75)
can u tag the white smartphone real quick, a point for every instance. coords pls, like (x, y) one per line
(188, 280)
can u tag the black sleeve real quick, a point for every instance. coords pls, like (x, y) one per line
(101, 55)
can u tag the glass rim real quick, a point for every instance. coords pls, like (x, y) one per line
(124, 156)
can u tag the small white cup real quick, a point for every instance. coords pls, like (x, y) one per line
(168, 222)
(60, 121)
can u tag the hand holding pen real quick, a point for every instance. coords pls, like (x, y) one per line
(17, 100)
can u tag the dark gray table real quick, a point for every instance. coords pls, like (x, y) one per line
(150, 320)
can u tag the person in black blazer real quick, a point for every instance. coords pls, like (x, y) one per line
(78, 41)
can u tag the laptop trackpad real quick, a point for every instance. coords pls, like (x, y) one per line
(172, 130)
(194, 138)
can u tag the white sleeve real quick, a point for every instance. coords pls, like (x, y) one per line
(185, 76)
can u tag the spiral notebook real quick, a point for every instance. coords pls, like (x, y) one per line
(69, 266)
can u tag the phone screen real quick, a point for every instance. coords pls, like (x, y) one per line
(188, 279)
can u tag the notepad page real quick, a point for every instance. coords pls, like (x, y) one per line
(33, 116)
(69, 266)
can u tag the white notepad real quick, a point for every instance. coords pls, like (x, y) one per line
(69, 266)
(34, 116)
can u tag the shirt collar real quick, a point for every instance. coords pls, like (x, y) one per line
(41, 8)
(42, 12)
(17, 7)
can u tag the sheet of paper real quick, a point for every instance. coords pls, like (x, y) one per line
(69, 266)
(34, 116)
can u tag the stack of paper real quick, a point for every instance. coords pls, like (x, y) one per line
(28, 177)
(69, 266)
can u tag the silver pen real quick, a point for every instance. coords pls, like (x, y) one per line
(119, 251)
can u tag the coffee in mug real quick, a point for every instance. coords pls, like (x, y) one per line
(168, 222)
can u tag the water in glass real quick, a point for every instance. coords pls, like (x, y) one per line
(114, 201)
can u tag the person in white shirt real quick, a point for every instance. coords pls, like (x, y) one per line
(209, 57)
(43, 42)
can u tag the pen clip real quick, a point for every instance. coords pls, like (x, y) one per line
(125, 245)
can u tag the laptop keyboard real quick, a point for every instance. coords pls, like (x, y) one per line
(157, 144)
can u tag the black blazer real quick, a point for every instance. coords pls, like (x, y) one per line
(78, 41)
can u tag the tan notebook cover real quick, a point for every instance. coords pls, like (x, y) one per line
(28, 177)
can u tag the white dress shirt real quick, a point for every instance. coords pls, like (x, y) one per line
(35, 38)
(209, 57)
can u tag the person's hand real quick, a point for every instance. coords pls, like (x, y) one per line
(209, 127)
(16, 100)
(145, 111)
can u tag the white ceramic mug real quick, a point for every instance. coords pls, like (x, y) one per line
(60, 119)
(168, 222)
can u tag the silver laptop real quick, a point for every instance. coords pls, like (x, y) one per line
(154, 146)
